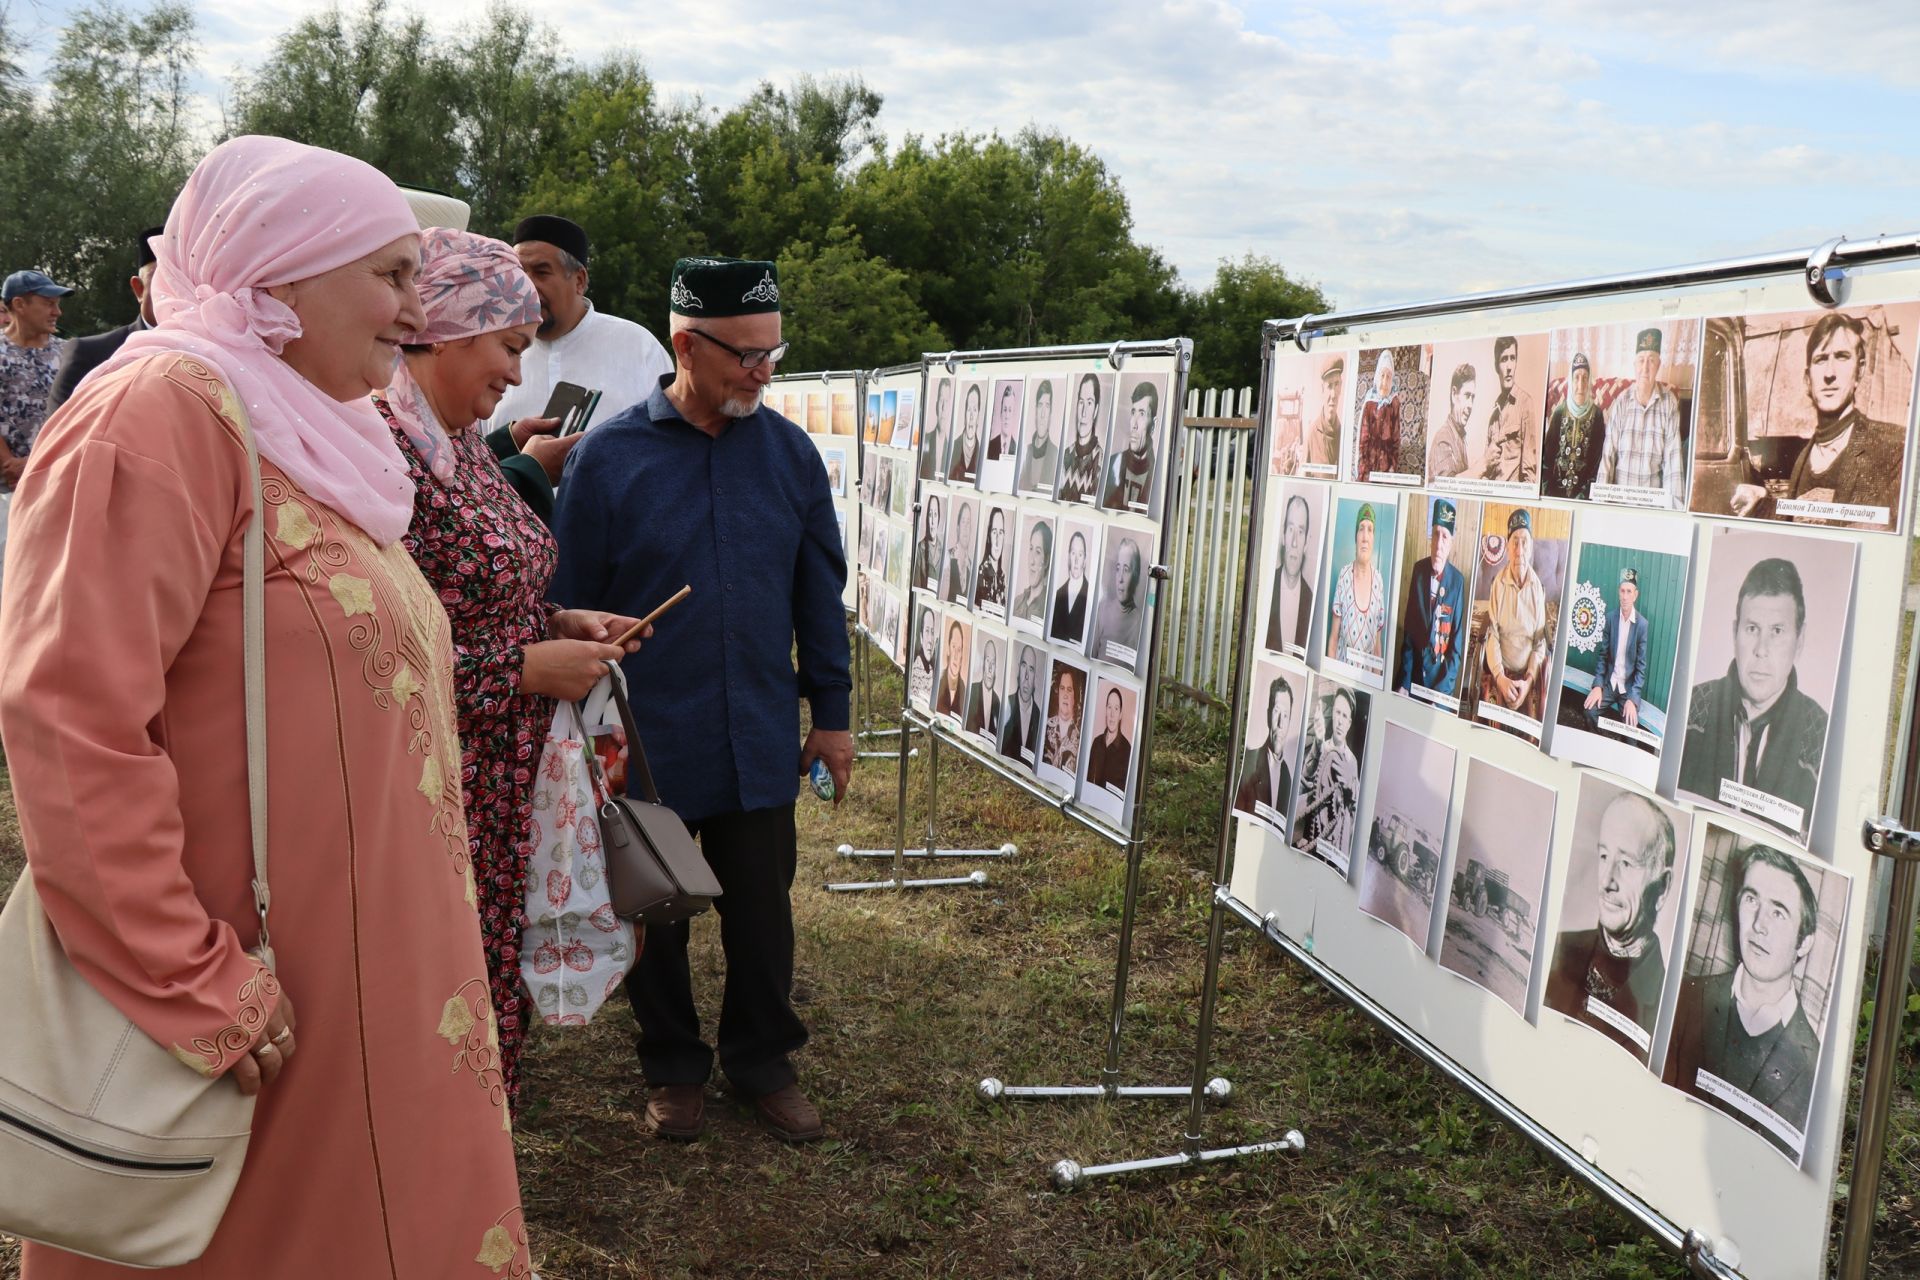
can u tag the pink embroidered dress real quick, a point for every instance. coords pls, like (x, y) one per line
(383, 1152)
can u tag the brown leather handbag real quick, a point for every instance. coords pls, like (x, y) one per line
(656, 874)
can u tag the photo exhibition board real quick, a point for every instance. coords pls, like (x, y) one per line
(1051, 477)
(1766, 1213)
(827, 407)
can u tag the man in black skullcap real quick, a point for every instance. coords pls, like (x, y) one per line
(83, 355)
(703, 485)
(575, 343)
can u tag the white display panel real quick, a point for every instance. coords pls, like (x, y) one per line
(1693, 1165)
(827, 409)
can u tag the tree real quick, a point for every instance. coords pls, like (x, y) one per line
(1225, 320)
(845, 308)
(102, 159)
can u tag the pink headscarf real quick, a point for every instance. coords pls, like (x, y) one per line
(265, 211)
(469, 285)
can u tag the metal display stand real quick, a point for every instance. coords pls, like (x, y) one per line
(904, 750)
(992, 1089)
(1822, 270)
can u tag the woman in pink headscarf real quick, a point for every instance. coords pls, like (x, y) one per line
(489, 558)
(381, 1148)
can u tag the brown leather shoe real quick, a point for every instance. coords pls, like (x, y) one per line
(788, 1114)
(676, 1111)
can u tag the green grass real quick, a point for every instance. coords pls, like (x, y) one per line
(913, 998)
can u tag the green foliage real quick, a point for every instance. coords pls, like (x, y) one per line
(1226, 319)
(962, 241)
(100, 157)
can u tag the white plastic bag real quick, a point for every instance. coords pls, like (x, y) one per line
(575, 950)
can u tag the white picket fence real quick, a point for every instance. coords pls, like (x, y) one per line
(1203, 603)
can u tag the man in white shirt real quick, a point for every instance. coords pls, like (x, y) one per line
(574, 343)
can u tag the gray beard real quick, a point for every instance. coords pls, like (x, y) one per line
(740, 407)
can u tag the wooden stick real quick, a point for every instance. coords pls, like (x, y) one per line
(634, 630)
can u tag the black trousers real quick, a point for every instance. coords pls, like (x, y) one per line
(753, 855)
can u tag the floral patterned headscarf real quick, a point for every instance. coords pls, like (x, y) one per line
(469, 285)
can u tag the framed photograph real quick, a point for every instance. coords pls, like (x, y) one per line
(1332, 758)
(1517, 589)
(963, 544)
(986, 691)
(1069, 616)
(1390, 415)
(1022, 723)
(1300, 538)
(923, 663)
(1139, 438)
(1359, 573)
(1082, 460)
(938, 431)
(968, 447)
(1493, 908)
(835, 458)
(1309, 390)
(1032, 570)
(1804, 416)
(1270, 755)
(1766, 661)
(1046, 420)
(903, 420)
(1619, 911)
(1122, 628)
(1060, 743)
(1625, 609)
(992, 579)
(1619, 424)
(930, 548)
(1436, 598)
(1749, 1032)
(1484, 415)
(1406, 845)
(956, 655)
(1110, 768)
(1003, 435)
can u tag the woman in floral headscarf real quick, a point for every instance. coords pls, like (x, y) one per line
(489, 559)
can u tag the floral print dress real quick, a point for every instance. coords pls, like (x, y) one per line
(490, 559)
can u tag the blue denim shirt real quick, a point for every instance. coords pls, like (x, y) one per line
(650, 503)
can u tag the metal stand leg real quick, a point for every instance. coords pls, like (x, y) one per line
(1215, 1090)
(899, 853)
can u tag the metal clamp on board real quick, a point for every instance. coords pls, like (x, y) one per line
(952, 362)
(1117, 355)
(1819, 263)
(1886, 837)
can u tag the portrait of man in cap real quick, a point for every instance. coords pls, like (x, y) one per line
(1519, 639)
(1323, 436)
(1642, 449)
(702, 485)
(29, 357)
(1576, 436)
(1447, 453)
(1435, 617)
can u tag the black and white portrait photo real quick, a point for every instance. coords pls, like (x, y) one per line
(964, 454)
(923, 662)
(1040, 454)
(929, 549)
(1081, 457)
(1002, 459)
(950, 691)
(937, 432)
(1302, 509)
(1032, 569)
(1328, 806)
(1020, 720)
(1749, 1024)
(1073, 567)
(956, 580)
(1139, 435)
(1111, 763)
(986, 691)
(1271, 754)
(1619, 908)
(990, 584)
(1766, 663)
(1120, 630)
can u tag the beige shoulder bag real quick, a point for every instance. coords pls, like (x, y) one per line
(109, 1145)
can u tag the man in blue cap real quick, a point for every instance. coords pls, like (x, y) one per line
(700, 484)
(29, 355)
(1518, 644)
(1436, 613)
(83, 355)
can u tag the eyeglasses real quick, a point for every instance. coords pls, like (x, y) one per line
(751, 359)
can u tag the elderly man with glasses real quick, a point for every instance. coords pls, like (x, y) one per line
(703, 485)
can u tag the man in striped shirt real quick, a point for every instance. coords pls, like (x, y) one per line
(1643, 430)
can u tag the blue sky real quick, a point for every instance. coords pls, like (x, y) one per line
(1388, 150)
